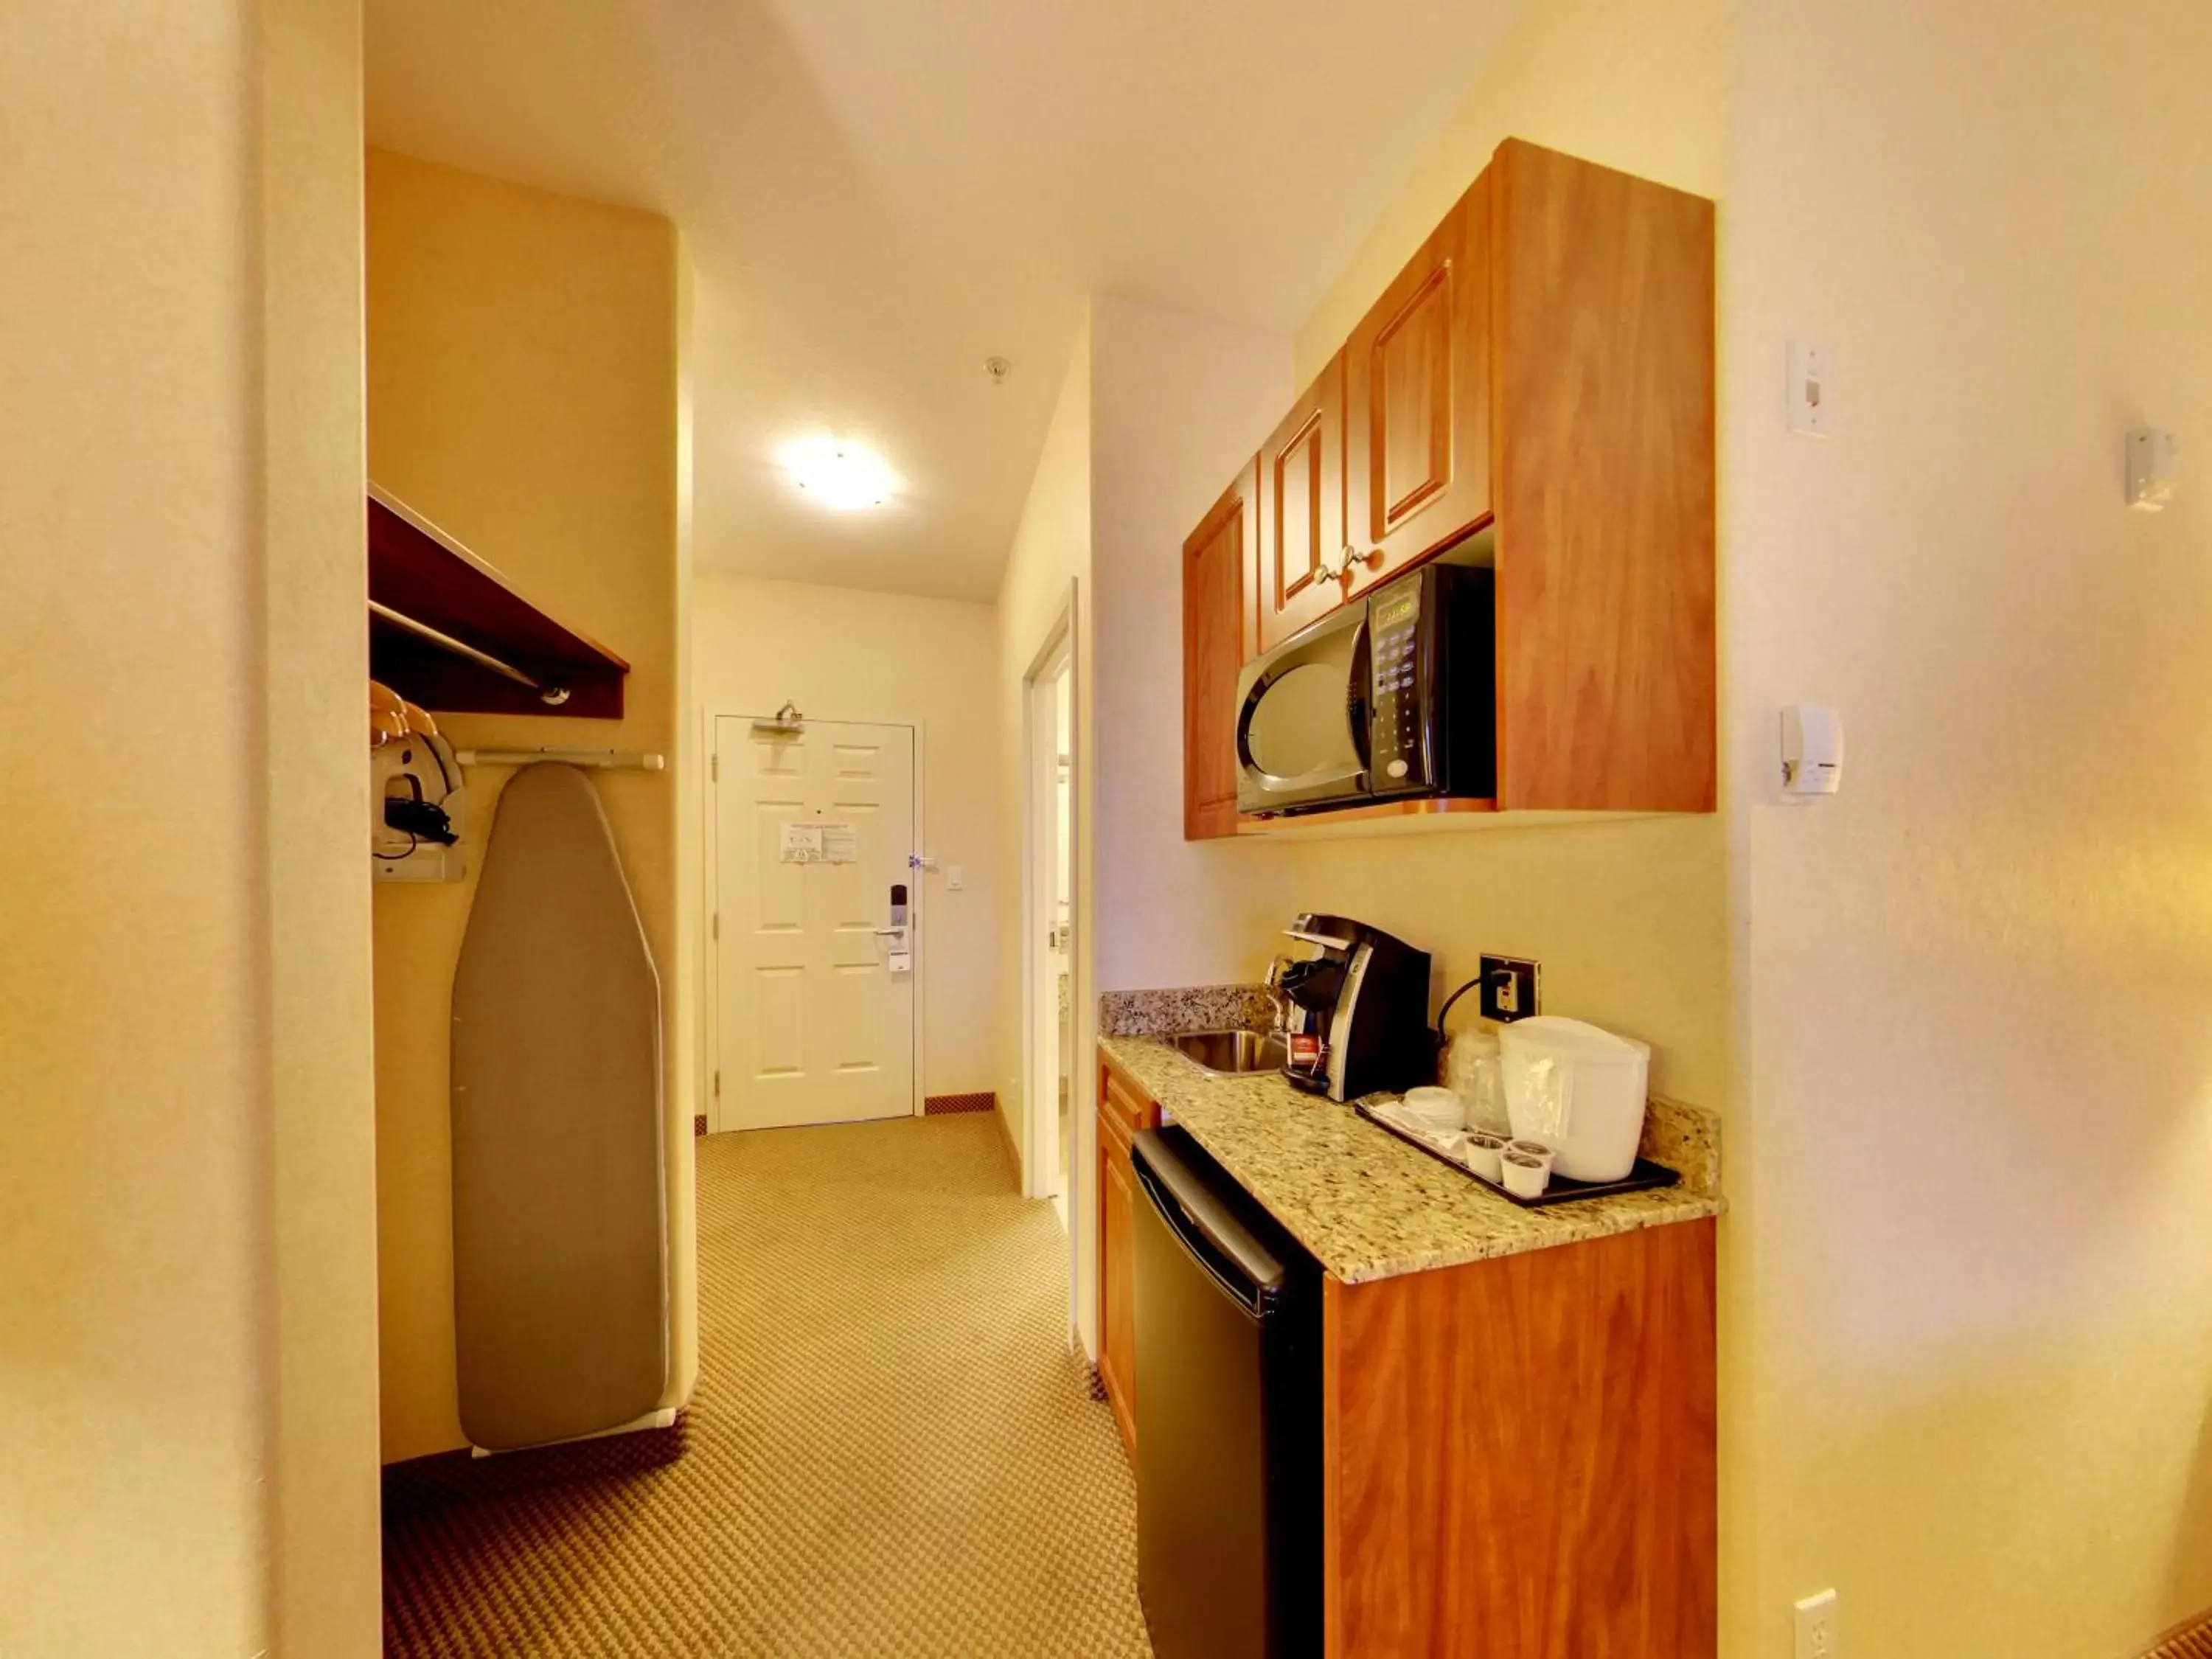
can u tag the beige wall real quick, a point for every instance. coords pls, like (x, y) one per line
(842, 654)
(1641, 85)
(1050, 555)
(1971, 1257)
(1178, 405)
(523, 393)
(1154, 413)
(319, 1044)
(187, 1335)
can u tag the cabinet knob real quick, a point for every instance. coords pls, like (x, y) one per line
(1372, 559)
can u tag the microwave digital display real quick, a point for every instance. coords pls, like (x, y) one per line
(1396, 609)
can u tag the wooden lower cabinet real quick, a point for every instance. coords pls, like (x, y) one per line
(1521, 1455)
(1123, 1108)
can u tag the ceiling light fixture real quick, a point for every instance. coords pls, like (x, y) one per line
(839, 475)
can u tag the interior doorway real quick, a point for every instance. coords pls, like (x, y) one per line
(1050, 918)
(815, 930)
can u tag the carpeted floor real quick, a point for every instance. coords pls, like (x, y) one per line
(891, 1451)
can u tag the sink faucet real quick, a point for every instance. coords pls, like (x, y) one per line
(1275, 995)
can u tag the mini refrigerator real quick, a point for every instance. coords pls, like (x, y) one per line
(1228, 1415)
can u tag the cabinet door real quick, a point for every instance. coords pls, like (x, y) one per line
(1117, 1324)
(1217, 636)
(1418, 401)
(1604, 338)
(1301, 512)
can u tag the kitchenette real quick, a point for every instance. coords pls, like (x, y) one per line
(1406, 1288)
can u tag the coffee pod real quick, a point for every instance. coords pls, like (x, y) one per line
(1483, 1152)
(1526, 1176)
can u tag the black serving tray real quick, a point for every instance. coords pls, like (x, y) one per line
(1646, 1176)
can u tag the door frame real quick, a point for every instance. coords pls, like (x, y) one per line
(1039, 805)
(1064, 626)
(710, 1023)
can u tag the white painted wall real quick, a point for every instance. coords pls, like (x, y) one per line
(188, 1270)
(1178, 405)
(843, 654)
(1969, 1261)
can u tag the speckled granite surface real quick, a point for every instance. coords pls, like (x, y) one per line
(1194, 1008)
(1370, 1207)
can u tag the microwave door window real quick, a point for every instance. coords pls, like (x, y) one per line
(1300, 735)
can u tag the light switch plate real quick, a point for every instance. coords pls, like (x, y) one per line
(1816, 1626)
(1808, 389)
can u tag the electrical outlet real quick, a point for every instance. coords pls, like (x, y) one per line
(1816, 1626)
(1509, 988)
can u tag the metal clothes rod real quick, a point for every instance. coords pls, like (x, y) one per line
(609, 759)
(554, 695)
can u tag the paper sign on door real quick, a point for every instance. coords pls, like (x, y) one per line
(820, 843)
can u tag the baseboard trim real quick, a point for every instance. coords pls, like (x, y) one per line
(940, 1105)
(1006, 1139)
(2191, 1639)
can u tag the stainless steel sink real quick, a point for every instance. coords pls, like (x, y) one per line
(1232, 1054)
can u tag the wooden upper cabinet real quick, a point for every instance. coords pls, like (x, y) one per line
(1602, 320)
(1301, 512)
(1417, 398)
(1218, 633)
(1542, 369)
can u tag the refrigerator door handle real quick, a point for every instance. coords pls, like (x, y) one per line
(1244, 1269)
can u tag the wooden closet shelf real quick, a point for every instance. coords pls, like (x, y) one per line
(429, 579)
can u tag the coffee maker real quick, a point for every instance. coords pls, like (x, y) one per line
(1356, 1015)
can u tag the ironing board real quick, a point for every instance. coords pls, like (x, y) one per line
(560, 1226)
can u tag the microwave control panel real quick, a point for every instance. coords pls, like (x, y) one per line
(1397, 741)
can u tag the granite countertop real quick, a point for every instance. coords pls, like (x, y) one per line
(1365, 1203)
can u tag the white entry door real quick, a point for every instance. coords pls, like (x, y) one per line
(816, 1015)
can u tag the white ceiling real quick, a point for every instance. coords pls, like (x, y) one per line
(880, 194)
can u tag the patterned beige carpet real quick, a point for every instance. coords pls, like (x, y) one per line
(892, 1452)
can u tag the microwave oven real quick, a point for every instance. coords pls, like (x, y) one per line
(1393, 697)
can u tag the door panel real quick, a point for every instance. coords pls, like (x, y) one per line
(1604, 340)
(1418, 400)
(1219, 632)
(812, 1026)
(1301, 512)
